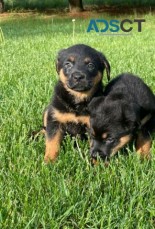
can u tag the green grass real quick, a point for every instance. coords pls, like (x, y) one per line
(70, 193)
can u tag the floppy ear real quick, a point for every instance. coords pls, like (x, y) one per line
(132, 113)
(94, 103)
(106, 64)
(58, 60)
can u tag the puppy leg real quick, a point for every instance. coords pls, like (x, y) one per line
(143, 145)
(52, 146)
(53, 138)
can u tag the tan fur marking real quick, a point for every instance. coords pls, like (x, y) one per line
(85, 120)
(143, 145)
(52, 147)
(70, 117)
(95, 162)
(45, 118)
(87, 60)
(104, 135)
(80, 96)
(123, 141)
(62, 77)
(97, 79)
(71, 58)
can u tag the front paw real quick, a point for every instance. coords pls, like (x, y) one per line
(50, 157)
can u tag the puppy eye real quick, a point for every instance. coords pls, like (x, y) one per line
(68, 65)
(91, 66)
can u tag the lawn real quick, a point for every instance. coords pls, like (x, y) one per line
(70, 193)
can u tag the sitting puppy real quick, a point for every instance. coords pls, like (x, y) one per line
(125, 112)
(80, 70)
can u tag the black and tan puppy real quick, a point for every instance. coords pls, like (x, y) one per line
(80, 70)
(126, 112)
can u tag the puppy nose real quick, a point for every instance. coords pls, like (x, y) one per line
(93, 153)
(78, 75)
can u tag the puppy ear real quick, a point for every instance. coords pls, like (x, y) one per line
(58, 60)
(132, 113)
(94, 104)
(106, 64)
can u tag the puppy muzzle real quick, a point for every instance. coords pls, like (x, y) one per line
(77, 76)
(98, 153)
(79, 82)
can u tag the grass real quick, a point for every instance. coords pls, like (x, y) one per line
(70, 193)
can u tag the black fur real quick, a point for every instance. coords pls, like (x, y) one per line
(126, 102)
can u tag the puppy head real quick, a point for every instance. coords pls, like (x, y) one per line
(113, 121)
(81, 67)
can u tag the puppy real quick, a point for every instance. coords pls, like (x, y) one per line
(80, 70)
(126, 112)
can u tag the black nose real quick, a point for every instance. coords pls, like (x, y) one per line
(93, 153)
(78, 75)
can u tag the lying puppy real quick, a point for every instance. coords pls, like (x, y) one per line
(126, 112)
(80, 70)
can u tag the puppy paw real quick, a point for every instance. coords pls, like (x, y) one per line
(51, 157)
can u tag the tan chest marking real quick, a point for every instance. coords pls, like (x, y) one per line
(70, 117)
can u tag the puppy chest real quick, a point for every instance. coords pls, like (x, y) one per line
(74, 129)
